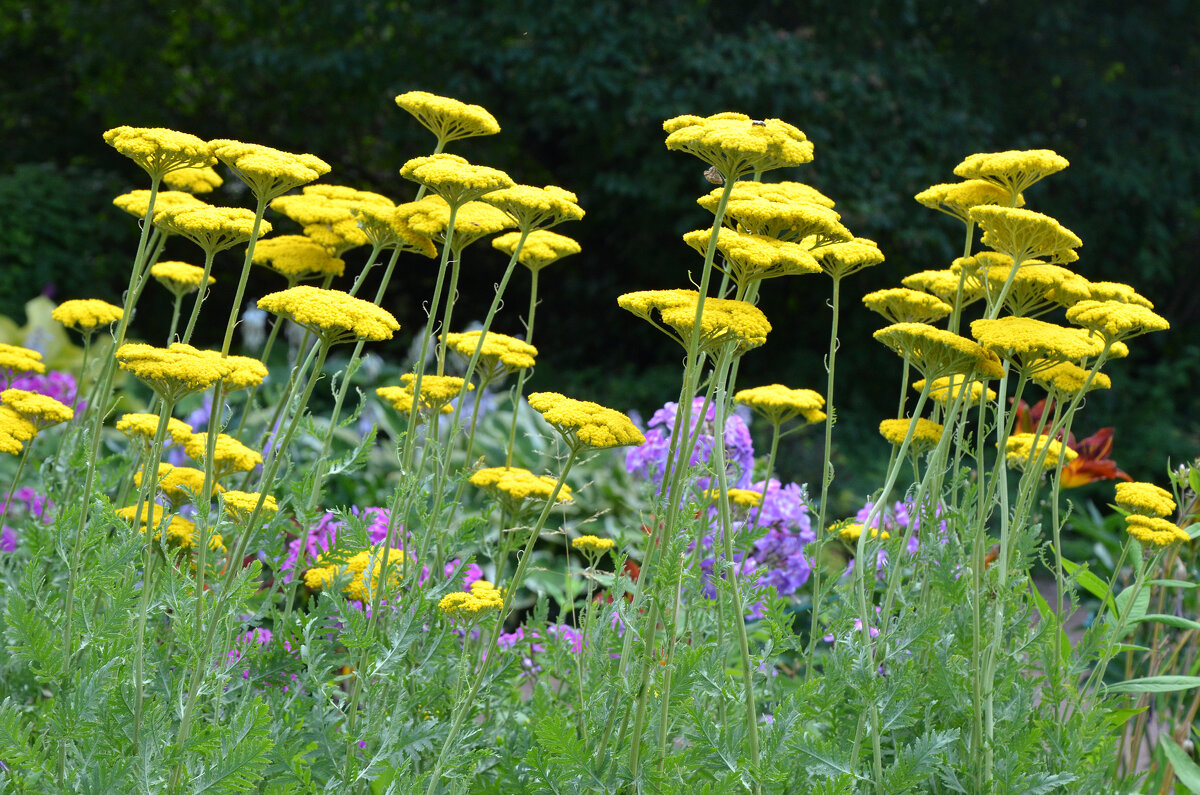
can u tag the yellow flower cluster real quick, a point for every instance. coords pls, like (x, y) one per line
(213, 229)
(174, 371)
(179, 277)
(852, 530)
(140, 428)
(1115, 320)
(180, 531)
(947, 388)
(1024, 234)
(331, 215)
(957, 198)
(583, 423)
(436, 393)
(904, 305)
(41, 410)
(840, 260)
(774, 191)
(15, 430)
(742, 498)
(749, 257)
(937, 352)
(266, 171)
(16, 359)
(483, 598)
(1014, 171)
(473, 221)
(1145, 498)
(86, 314)
(1116, 291)
(138, 201)
(448, 119)
(500, 354)
(159, 150)
(541, 248)
(1022, 448)
(804, 223)
(532, 208)
(239, 505)
(364, 570)
(179, 484)
(723, 321)
(592, 546)
(778, 403)
(194, 180)
(1155, 531)
(229, 454)
(519, 490)
(1033, 344)
(332, 315)
(944, 284)
(737, 145)
(1035, 289)
(454, 178)
(1067, 379)
(297, 257)
(926, 433)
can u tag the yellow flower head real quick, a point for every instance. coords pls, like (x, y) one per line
(749, 258)
(585, 424)
(778, 404)
(1035, 289)
(957, 198)
(1067, 379)
(15, 425)
(500, 355)
(852, 530)
(1145, 499)
(1115, 320)
(518, 490)
(839, 260)
(1116, 291)
(737, 145)
(453, 178)
(86, 314)
(179, 277)
(1153, 531)
(41, 410)
(948, 388)
(448, 119)
(10, 444)
(810, 225)
(1014, 171)
(268, 172)
(244, 371)
(137, 202)
(159, 150)
(592, 546)
(739, 498)
(141, 428)
(472, 221)
(541, 247)
(179, 484)
(903, 305)
(239, 505)
(180, 531)
(937, 352)
(723, 321)
(174, 371)
(533, 208)
(364, 571)
(332, 315)
(469, 607)
(436, 393)
(944, 284)
(926, 433)
(213, 229)
(1025, 234)
(229, 454)
(297, 258)
(194, 180)
(1021, 450)
(1033, 344)
(14, 359)
(775, 191)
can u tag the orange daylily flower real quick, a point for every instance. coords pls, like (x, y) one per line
(1093, 462)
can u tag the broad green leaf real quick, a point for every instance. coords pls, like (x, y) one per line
(1186, 770)
(1174, 583)
(1090, 582)
(1156, 684)
(1172, 621)
(1119, 717)
(1132, 611)
(1194, 479)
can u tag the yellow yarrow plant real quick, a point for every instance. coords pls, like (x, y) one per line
(86, 314)
(585, 424)
(194, 180)
(159, 150)
(448, 119)
(1145, 499)
(468, 607)
(541, 247)
(778, 403)
(43, 411)
(332, 315)
(736, 145)
(179, 278)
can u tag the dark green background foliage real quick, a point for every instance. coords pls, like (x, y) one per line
(893, 96)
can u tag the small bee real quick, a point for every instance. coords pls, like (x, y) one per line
(758, 123)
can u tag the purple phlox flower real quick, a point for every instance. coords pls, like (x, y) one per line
(58, 385)
(24, 501)
(784, 507)
(649, 460)
(322, 535)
